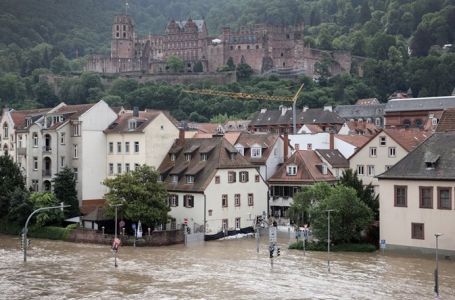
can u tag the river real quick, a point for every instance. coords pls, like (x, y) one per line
(229, 269)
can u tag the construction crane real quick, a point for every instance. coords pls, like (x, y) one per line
(247, 96)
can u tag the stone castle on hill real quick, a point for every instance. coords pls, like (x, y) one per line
(267, 49)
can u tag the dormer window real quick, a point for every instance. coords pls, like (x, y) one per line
(324, 169)
(29, 122)
(240, 149)
(160, 178)
(189, 179)
(132, 124)
(187, 156)
(175, 178)
(291, 170)
(172, 157)
(256, 151)
(431, 160)
(5, 130)
(204, 156)
(232, 155)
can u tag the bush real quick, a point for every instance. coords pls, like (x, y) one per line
(48, 232)
(348, 247)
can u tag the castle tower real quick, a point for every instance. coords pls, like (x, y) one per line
(122, 43)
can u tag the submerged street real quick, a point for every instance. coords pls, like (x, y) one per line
(229, 269)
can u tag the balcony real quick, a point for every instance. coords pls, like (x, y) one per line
(47, 173)
(47, 149)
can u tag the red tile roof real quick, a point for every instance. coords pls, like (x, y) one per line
(408, 138)
(120, 125)
(356, 140)
(447, 121)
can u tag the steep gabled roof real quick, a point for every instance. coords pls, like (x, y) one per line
(266, 140)
(440, 147)
(120, 125)
(309, 169)
(284, 117)
(334, 158)
(218, 152)
(19, 116)
(355, 140)
(447, 121)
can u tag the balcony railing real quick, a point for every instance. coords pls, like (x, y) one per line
(47, 148)
(47, 173)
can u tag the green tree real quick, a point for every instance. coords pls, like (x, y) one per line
(11, 179)
(244, 71)
(20, 207)
(365, 12)
(60, 64)
(65, 191)
(175, 64)
(304, 200)
(144, 198)
(349, 218)
(46, 217)
(230, 64)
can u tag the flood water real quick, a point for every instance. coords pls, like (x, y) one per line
(229, 269)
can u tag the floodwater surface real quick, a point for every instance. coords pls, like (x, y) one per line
(230, 269)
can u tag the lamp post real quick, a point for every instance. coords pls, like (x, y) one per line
(24, 236)
(115, 231)
(328, 239)
(436, 271)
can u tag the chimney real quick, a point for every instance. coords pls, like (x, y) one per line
(263, 110)
(327, 107)
(181, 139)
(305, 108)
(309, 146)
(286, 146)
(136, 111)
(331, 140)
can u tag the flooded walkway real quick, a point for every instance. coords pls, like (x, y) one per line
(228, 269)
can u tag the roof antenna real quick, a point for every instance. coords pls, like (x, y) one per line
(126, 7)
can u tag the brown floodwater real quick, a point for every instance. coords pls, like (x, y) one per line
(229, 269)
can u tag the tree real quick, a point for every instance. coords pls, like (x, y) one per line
(349, 217)
(366, 194)
(60, 65)
(65, 191)
(143, 197)
(11, 179)
(365, 12)
(46, 217)
(303, 201)
(244, 71)
(20, 207)
(175, 64)
(230, 64)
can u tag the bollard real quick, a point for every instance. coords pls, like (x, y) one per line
(102, 228)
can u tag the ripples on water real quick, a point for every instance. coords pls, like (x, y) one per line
(228, 269)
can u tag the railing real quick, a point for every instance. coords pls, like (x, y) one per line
(47, 148)
(47, 173)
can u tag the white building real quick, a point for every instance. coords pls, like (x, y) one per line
(416, 198)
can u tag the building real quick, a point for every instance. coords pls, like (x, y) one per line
(364, 111)
(416, 198)
(138, 137)
(416, 112)
(267, 49)
(304, 167)
(280, 121)
(383, 151)
(212, 186)
(334, 160)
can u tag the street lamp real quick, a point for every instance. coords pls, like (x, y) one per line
(24, 236)
(328, 238)
(436, 280)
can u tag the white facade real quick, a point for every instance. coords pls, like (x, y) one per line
(344, 147)
(209, 205)
(396, 222)
(310, 141)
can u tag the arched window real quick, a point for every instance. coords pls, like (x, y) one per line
(407, 123)
(418, 123)
(5, 130)
(35, 139)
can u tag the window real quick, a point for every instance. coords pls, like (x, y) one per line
(444, 198)
(426, 197)
(136, 166)
(175, 178)
(111, 169)
(237, 200)
(119, 147)
(291, 170)
(35, 163)
(19, 141)
(377, 122)
(127, 167)
(76, 129)
(35, 184)
(203, 156)
(62, 138)
(224, 224)
(401, 196)
(217, 179)
(387, 167)
(75, 171)
(172, 157)
(370, 170)
(5, 131)
(382, 140)
(224, 200)
(62, 161)
(35, 139)
(187, 156)
(136, 147)
(173, 200)
(256, 152)
(240, 149)
(188, 200)
(111, 147)
(189, 179)
(256, 178)
(75, 151)
(231, 177)
(243, 176)
(127, 147)
(392, 151)
(360, 170)
(250, 200)
(372, 151)
(237, 223)
(119, 168)
(210, 212)
(417, 231)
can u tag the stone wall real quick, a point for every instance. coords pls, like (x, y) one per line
(180, 78)
(156, 238)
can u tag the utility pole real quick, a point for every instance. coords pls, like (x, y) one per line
(328, 238)
(115, 232)
(24, 235)
(436, 271)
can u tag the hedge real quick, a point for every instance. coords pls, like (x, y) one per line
(349, 247)
(47, 232)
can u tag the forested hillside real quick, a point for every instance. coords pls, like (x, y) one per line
(406, 43)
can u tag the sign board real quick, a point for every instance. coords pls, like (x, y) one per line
(383, 244)
(272, 234)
